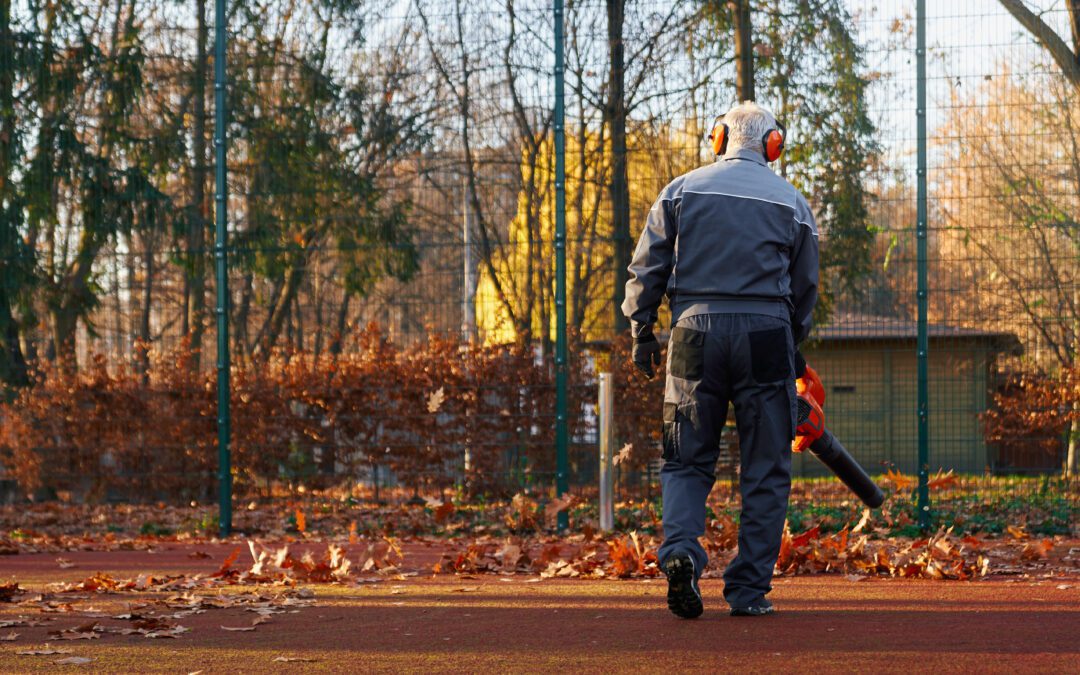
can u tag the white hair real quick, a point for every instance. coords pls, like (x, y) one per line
(747, 124)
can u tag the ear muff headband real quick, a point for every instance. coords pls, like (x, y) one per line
(772, 143)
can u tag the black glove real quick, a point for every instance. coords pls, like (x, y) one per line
(646, 354)
(800, 364)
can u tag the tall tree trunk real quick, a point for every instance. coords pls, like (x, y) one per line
(74, 294)
(200, 209)
(12, 363)
(142, 353)
(744, 51)
(317, 291)
(279, 310)
(619, 187)
(239, 319)
(342, 324)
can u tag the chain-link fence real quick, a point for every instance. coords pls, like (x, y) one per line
(391, 279)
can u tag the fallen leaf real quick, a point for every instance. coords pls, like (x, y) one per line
(556, 505)
(1017, 532)
(1036, 550)
(435, 400)
(73, 661)
(9, 590)
(899, 480)
(227, 563)
(623, 454)
(943, 479)
(238, 629)
(9, 637)
(292, 659)
(862, 522)
(45, 651)
(465, 589)
(64, 563)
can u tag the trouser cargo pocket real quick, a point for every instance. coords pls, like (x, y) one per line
(687, 358)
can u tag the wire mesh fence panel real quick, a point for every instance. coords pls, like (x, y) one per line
(391, 281)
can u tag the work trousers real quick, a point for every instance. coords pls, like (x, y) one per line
(747, 360)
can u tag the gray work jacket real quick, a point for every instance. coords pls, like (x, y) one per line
(730, 237)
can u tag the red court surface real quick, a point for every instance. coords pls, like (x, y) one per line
(518, 623)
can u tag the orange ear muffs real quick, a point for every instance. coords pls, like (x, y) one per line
(719, 136)
(772, 143)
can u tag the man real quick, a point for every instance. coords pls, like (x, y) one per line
(734, 247)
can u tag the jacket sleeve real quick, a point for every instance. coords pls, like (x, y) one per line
(804, 271)
(651, 266)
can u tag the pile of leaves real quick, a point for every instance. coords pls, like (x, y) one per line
(572, 557)
(937, 557)
(859, 550)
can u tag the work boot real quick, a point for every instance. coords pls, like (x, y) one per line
(759, 608)
(683, 596)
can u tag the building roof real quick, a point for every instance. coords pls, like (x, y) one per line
(852, 326)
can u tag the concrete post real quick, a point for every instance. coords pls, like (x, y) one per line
(606, 414)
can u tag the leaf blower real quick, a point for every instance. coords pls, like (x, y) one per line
(811, 433)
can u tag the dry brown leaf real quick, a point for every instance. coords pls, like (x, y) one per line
(1017, 532)
(556, 505)
(73, 661)
(435, 400)
(292, 659)
(9, 590)
(862, 521)
(943, 479)
(301, 521)
(45, 651)
(238, 629)
(1036, 550)
(899, 480)
(623, 454)
(9, 637)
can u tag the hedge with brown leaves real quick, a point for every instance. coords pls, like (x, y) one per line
(109, 432)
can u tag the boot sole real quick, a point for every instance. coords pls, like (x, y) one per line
(753, 611)
(682, 599)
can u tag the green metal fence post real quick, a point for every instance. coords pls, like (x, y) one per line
(562, 432)
(922, 345)
(222, 275)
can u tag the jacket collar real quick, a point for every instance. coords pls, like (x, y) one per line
(745, 153)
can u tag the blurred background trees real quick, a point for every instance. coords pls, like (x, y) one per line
(391, 162)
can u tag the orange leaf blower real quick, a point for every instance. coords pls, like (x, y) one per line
(811, 433)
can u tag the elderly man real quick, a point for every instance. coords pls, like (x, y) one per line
(734, 247)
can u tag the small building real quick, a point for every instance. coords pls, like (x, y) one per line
(868, 366)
